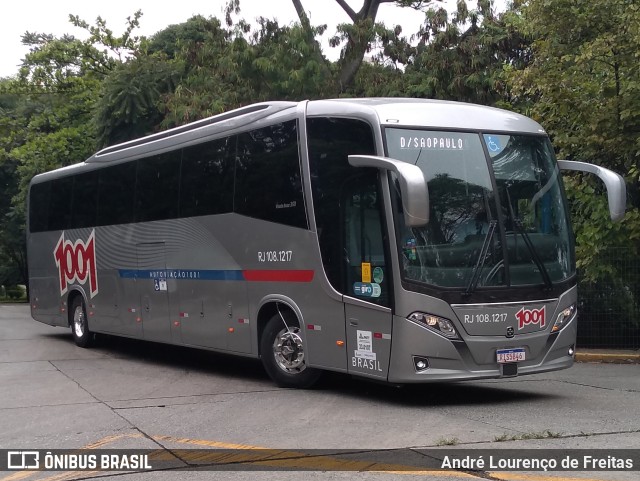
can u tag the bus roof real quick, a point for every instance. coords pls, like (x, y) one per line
(426, 113)
(438, 114)
(389, 112)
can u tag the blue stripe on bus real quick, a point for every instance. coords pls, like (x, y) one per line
(183, 274)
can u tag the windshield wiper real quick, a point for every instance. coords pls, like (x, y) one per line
(534, 253)
(527, 240)
(477, 270)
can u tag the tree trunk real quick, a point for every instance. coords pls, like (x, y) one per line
(357, 45)
(356, 48)
(306, 25)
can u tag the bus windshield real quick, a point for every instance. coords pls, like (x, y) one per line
(497, 211)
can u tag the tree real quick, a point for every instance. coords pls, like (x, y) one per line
(46, 120)
(584, 78)
(357, 38)
(224, 67)
(130, 102)
(461, 56)
(10, 137)
(38, 132)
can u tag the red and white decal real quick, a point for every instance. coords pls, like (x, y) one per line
(530, 316)
(76, 262)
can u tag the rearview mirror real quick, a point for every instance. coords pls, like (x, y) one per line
(616, 188)
(413, 187)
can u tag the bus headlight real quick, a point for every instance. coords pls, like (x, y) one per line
(563, 318)
(435, 323)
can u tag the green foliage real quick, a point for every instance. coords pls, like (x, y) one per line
(37, 133)
(12, 134)
(461, 56)
(226, 67)
(594, 231)
(53, 62)
(114, 49)
(364, 35)
(377, 80)
(14, 293)
(583, 81)
(46, 120)
(130, 104)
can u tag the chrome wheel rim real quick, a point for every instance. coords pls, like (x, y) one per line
(78, 321)
(288, 351)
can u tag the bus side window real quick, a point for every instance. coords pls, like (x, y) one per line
(157, 187)
(85, 200)
(116, 189)
(39, 206)
(207, 179)
(268, 183)
(60, 204)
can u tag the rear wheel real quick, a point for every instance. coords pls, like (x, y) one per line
(82, 336)
(283, 354)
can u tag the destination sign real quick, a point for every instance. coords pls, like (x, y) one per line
(433, 142)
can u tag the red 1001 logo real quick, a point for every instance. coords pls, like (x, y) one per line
(76, 262)
(530, 316)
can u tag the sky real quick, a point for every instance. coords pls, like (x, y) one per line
(47, 16)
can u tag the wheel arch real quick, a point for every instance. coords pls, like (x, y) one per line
(74, 293)
(268, 307)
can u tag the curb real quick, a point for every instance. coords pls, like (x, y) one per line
(622, 357)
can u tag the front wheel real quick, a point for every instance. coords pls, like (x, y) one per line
(283, 355)
(79, 325)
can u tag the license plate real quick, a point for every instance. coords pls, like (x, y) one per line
(510, 355)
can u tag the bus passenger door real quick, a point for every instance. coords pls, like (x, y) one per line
(367, 278)
(153, 292)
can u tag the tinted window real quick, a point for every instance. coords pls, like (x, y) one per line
(268, 183)
(85, 200)
(207, 179)
(330, 142)
(115, 194)
(60, 204)
(157, 187)
(364, 239)
(39, 207)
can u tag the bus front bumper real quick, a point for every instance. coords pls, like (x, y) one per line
(474, 357)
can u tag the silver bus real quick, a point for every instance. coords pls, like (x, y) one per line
(401, 240)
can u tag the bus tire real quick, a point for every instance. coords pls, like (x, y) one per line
(283, 355)
(82, 336)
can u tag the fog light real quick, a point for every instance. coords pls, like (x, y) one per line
(438, 324)
(420, 363)
(571, 351)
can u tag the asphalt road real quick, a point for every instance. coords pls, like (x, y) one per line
(126, 394)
